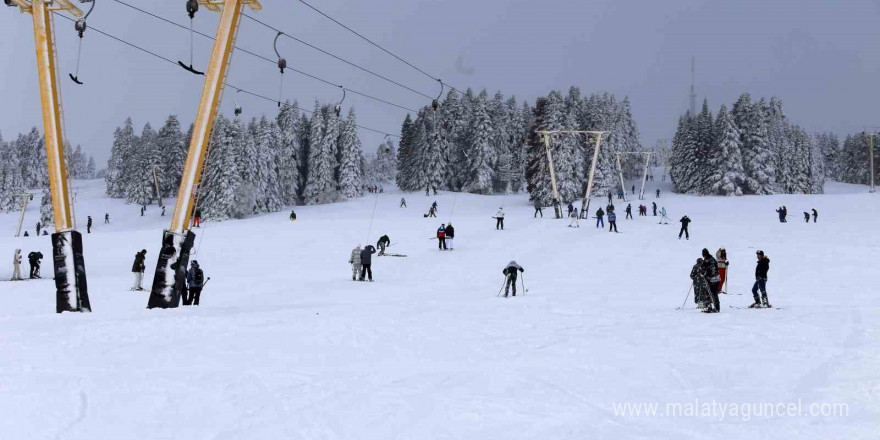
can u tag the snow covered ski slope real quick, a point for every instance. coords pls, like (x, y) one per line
(286, 346)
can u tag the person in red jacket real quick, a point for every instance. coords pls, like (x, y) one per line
(441, 237)
(721, 257)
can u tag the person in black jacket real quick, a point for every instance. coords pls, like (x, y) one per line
(39, 226)
(511, 272)
(815, 215)
(570, 209)
(654, 204)
(138, 268)
(383, 242)
(450, 234)
(89, 226)
(685, 221)
(366, 262)
(712, 279)
(538, 209)
(600, 215)
(34, 261)
(195, 280)
(761, 281)
(629, 211)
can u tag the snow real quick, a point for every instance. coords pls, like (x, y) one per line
(286, 346)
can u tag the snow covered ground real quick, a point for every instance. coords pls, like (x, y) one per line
(286, 346)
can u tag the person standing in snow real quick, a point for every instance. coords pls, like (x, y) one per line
(761, 281)
(499, 219)
(197, 218)
(292, 215)
(779, 212)
(195, 280)
(658, 193)
(721, 258)
(655, 208)
(712, 279)
(39, 226)
(685, 221)
(355, 262)
(106, 218)
(806, 217)
(815, 215)
(538, 209)
(701, 287)
(16, 265)
(575, 220)
(450, 234)
(511, 272)
(609, 197)
(634, 189)
(664, 220)
(366, 262)
(402, 202)
(629, 211)
(441, 237)
(570, 209)
(612, 221)
(600, 214)
(384, 241)
(34, 261)
(784, 214)
(138, 269)
(89, 225)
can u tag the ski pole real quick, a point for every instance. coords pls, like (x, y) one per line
(502, 286)
(687, 296)
(522, 280)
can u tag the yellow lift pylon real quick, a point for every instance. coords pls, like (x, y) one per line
(169, 280)
(70, 274)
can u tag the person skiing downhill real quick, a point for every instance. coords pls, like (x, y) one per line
(658, 193)
(16, 265)
(366, 262)
(138, 269)
(761, 270)
(712, 279)
(355, 262)
(600, 214)
(450, 234)
(499, 219)
(685, 221)
(721, 258)
(384, 241)
(701, 287)
(195, 279)
(612, 221)
(441, 237)
(815, 215)
(629, 211)
(634, 189)
(511, 272)
(538, 209)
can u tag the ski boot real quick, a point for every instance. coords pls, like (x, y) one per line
(757, 304)
(766, 303)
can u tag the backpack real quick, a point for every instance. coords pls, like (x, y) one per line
(199, 277)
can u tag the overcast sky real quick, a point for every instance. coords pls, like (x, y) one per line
(820, 57)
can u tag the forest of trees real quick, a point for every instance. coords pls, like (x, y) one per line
(751, 149)
(264, 165)
(475, 144)
(850, 162)
(23, 167)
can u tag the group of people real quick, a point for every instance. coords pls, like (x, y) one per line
(709, 275)
(361, 262)
(375, 189)
(195, 278)
(34, 260)
(445, 236)
(612, 217)
(782, 211)
(432, 211)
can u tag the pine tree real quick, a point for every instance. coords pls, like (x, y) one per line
(123, 146)
(350, 173)
(46, 211)
(140, 185)
(758, 160)
(288, 152)
(172, 146)
(220, 194)
(384, 168)
(320, 186)
(91, 172)
(267, 138)
(11, 181)
(406, 157)
(481, 154)
(728, 176)
(537, 169)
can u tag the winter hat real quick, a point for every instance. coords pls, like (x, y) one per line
(512, 263)
(706, 253)
(760, 253)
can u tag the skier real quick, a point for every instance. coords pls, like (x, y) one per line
(34, 261)
(609, 197)
(575, 220)
(538, 209)
(89, 225)
(721, 258)
(510, 272)
(609, 208)
(450, 234)
(815, 215)
(432, 212)
(806, 216)
(654, 204)
(712, 279)
(761, 281)
(658, 193)
(684, 228)
(570, 209)
(39, 225)
(499, 219)
(620, 194)
(701, 287)
(292, 215)
(355, 262)
(402, 202)
(600, 214)
(629, 211)
(143, 208)
(195, 279)
(784, 214)
(664, 220)
(383, 242)
(16, 265)
(366, 262)
(634, 189)
(163, 212)
(441, 237)
(612, 221)
(779, 211)
(106, 218)
(197, 218)
(138, 269)
(434, 205)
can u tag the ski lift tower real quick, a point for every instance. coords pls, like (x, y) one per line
(71, 292)
(177, 240)
(647, 155)
(547, 134)
(25, 199)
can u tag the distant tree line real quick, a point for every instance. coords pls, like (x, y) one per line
(850, 162)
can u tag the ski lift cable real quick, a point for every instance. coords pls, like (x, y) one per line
(336, 57)
(170, 61)
(325, 15)
(269, 60)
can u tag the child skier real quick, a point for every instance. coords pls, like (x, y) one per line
(712, 279)
(685, 221)
(34, 261)
(355, 262)
(629, 211)
(575, 220)
(511, 272)
(402, 202)
(664, 220)
(806, 217)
